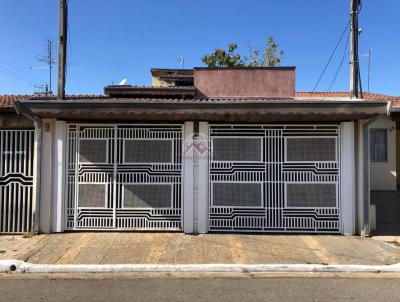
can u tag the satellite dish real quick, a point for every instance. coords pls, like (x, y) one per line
(123, 82)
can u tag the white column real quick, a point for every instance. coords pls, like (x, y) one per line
(202, 202)
(347, 178)
(58, 215)
(46, 176)
(187, 160)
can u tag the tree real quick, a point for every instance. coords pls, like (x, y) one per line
(223, 58)
(271, 56)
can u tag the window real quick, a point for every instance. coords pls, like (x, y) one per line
(378, 144)
(311, 149)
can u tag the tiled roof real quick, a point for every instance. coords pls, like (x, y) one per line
(342, 94)
(7, 101)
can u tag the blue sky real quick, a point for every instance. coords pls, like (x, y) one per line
(112, 40)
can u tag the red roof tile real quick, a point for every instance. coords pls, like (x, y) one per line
(7, 101)
(342, 94)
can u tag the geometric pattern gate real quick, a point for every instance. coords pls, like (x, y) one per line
(124, 177)
(274, 178)
(16, 181)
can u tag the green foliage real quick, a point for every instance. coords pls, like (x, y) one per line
(269, 57)
(223, 58)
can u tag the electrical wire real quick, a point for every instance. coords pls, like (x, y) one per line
(330, 58)
(340, 65)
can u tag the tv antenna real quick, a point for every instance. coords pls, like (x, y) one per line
(49, 61)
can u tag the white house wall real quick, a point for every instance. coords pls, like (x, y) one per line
(383, 174)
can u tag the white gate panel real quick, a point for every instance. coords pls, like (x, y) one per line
(124, 177)
(274, 178)
(16, 181)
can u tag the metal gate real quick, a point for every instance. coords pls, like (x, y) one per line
(16, 181)
(274, 178)
(124, 177)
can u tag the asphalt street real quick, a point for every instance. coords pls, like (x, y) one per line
(201, 289)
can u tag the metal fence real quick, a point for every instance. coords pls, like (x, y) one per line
(274, 178)
(16, 181)
(124, 177)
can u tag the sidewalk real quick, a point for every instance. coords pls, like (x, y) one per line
(177, 248)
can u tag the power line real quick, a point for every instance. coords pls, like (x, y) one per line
(16, 77)
(15, 73)
(18, 70)
(340, 65)
(330, 58)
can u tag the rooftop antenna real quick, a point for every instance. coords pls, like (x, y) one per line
(181, 61)
(49, 61)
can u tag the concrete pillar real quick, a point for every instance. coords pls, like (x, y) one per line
(347, 178)
(46, 187)
(187, 160)
(59, 149)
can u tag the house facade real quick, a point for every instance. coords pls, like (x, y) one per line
(204, 150)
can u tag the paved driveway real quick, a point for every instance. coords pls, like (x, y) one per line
(177, 248)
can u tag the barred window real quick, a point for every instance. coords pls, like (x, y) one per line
(379, 145)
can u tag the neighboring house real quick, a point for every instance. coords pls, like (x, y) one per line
(221, 149)
(384, 141)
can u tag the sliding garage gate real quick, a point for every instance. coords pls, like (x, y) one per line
(16, 181)
(280, 178)
(124, 177)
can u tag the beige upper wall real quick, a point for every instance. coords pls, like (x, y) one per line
(383, 174)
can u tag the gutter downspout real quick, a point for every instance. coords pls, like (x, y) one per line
(37, 169)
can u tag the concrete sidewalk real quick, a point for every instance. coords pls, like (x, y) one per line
(177, 248)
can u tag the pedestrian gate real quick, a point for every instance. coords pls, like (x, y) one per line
(282, 178)
(124, 177)
(16, 181)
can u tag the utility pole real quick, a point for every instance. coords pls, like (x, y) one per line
(62, 48)
(354, 63)
(50, 62)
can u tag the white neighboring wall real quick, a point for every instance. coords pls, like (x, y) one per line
(383, 174)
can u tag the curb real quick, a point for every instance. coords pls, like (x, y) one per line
(18, 266)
